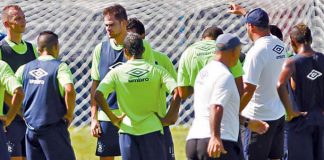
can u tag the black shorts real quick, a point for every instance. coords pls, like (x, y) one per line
(108, 142)
(168, 143)
(16, 137)
(196, 149)
(268, 145)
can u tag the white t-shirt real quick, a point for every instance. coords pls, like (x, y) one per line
(262, 66)
(215, 85)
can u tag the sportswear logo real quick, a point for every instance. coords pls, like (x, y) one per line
(137, 72)
(314, 74)
(278, 49)
(38, 73)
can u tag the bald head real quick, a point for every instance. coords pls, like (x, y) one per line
(47, 41)
(301, 34)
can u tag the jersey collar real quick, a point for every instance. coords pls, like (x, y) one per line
(45, 57)
(115, 46)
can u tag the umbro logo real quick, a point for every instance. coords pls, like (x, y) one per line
(38, 73)
(137, 72)
(278, 49)
(314, 74)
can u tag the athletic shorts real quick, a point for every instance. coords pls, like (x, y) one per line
(196, 149)
(52, 142)
(108, 142)
(4, 154)
(16, 137)
(168, 143)
(306, 143)
(144, 147)
(269, 145)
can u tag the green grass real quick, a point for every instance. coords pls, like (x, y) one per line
(85, 145)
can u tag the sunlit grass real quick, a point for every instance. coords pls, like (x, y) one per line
(85, 145)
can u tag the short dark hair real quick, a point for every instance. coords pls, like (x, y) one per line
(47, 39)
(117, 10)
(134, 23)
(274, 30)
(212, 32)
(134, 44)
(301, 33)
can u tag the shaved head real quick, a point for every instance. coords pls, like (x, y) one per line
(5, 15)
(47, 41)
(301, 34)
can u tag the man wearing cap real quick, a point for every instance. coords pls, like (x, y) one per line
(260, 100)
(216, 106)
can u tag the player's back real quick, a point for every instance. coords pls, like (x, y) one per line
(262, 67)
(138, 85)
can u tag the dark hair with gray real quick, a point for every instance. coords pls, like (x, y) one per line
(134, 23)
(134, 44)
(301, 33)
(47, 39)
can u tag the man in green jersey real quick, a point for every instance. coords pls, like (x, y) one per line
(107, 55)
(136, 26)
(138, 85)
(10, 84)
(196, 57)
(15, 52)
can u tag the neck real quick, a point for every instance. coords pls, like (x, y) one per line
(305, 50)
(15, 37)
(259, 35)
(119, 40)
(223, 60)
(46, 53)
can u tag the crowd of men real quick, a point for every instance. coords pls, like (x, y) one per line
(241, 111)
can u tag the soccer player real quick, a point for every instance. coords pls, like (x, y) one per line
(303, 74)
(260, 100)
(9, 83)
(161, 59)
(15, 52)
(106, 56)
(138, 85)
(49, 102)
(196, 57)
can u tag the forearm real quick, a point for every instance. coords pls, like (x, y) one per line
(245, 99)
(239, 85)
(216, 114)
(93, 104)
(70, 96)
(100, 100)
(173, 112)
(16, 102)
(284, 97)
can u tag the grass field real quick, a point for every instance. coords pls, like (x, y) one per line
(85, 145)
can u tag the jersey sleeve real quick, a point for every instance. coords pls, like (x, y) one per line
(148, 52)
(168, 82)
(169, 66)
(64, 75)
(8, 79)
(220, 94)
(107, 85)
(237, 70)
(183, 71)
(19, 73)
(253, 65)
(95, 63)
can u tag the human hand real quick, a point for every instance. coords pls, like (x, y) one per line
(215, 147)
(237, 9)
(95, 128)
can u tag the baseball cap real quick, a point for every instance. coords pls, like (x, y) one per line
(257, 17)
(227, 41)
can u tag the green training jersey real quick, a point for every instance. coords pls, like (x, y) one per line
(20, 48)
(147, 56)
(8, 82)
(138, 86)
(164, 61)
(195, 58)
(64, 75)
